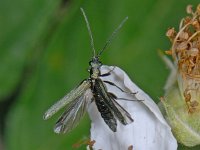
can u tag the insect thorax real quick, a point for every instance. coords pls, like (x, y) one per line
(95, 65)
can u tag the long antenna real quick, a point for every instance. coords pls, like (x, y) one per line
(112, 36)
(89, 31)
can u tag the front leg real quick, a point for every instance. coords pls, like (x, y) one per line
(119, 98)
(113, 84)
(108, 73)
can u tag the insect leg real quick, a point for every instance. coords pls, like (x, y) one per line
(113, 84)
(108, 73)
(125, 99)
(119, 98)
(123, 116)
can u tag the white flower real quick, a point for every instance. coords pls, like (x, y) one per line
(149, 131)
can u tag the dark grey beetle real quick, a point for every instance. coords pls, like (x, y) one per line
(77, 100)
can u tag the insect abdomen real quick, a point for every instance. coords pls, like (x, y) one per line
(105, 113)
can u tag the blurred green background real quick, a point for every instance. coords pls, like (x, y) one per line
(45, 49)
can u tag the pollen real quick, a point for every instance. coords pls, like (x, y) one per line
(185, 51)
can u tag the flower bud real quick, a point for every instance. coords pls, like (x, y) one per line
(181, 101)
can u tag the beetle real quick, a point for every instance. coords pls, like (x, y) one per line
(77, 100)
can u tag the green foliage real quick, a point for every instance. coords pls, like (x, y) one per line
(44, 52)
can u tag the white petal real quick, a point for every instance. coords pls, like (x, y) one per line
(171, 80)
(149, 131)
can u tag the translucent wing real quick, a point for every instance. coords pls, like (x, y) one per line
(70, 97)
(73, 113)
